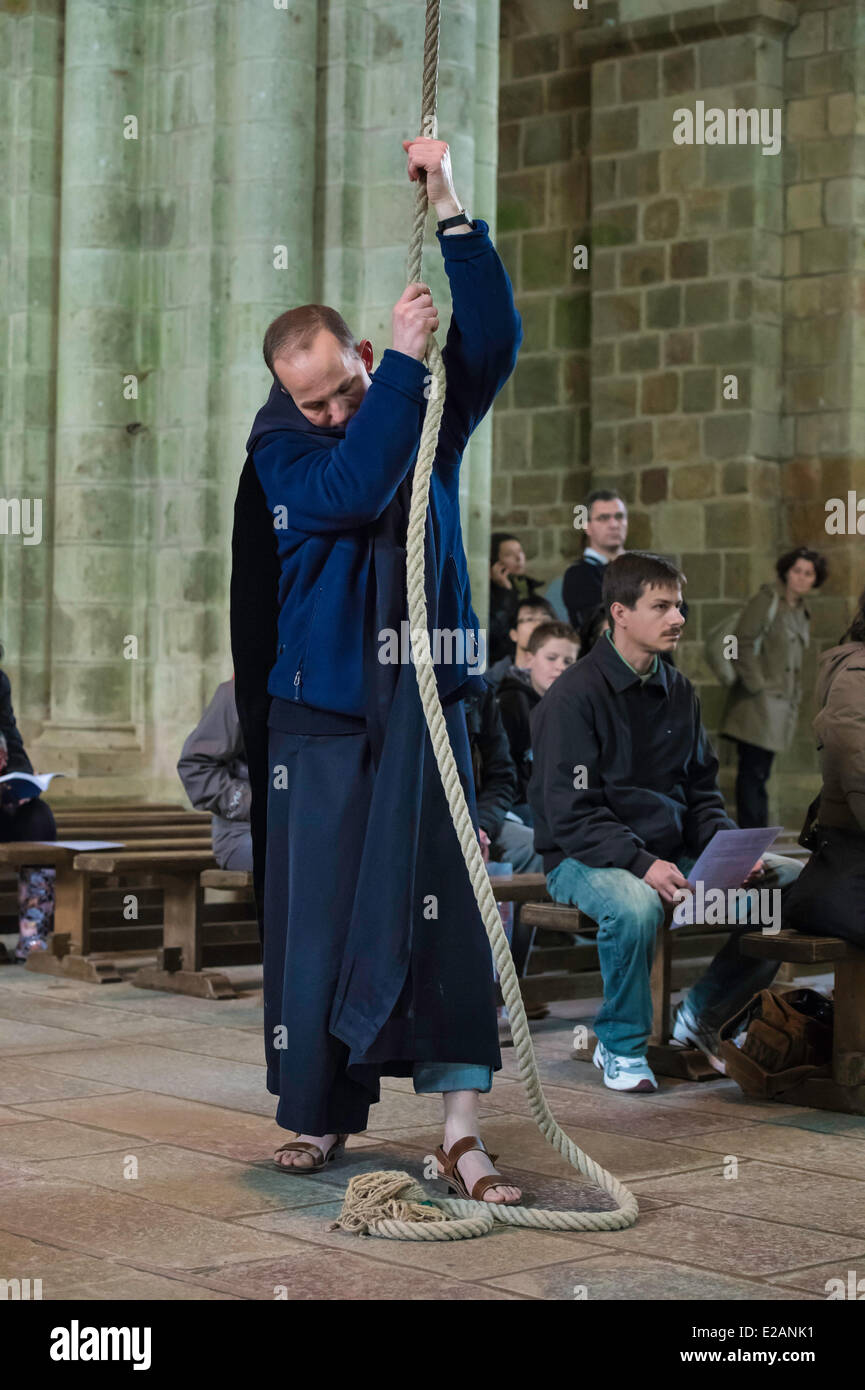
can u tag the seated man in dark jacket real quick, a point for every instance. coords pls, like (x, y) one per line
(625, 797)
(552, 647)
(606, 531)
(496, 785)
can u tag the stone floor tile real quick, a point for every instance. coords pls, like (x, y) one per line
(14, 1117)
(816, 1278)
(602, 1109)
(235, 1085)
(25, 1083)
(19, 1039)
(193, 1181)
(401, 1110)
(58, 1139)
(826, 1122)
(64, 1274)
(632, 1277)
(800, 1148)
(111, 1225)
(723, 1097)
(315, 1274)
(231, 1044)
(84, 1016)
(794, 1197)
(231, 1133)
(727, 1243)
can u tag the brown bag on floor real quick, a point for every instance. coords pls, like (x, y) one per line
(788, 1037)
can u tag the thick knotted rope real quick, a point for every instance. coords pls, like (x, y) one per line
(379, 1203)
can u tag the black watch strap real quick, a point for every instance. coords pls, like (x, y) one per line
(456, 221)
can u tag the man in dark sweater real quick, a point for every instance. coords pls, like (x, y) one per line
(625, 798)
(606, 531)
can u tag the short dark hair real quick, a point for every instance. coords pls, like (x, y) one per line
(537, 605)
(602, 494)
(626, 578)
(789, 558)
(497, 539)
(549, 632)
(296, 329)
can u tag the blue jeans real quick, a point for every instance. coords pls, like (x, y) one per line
(628, 913)
(429, 1077)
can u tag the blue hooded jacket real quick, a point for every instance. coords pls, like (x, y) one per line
(327, 490)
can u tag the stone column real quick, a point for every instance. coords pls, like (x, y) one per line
(30, 96)
(231, 204)
(92, 516)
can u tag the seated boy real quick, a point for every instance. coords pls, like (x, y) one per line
(529, 613)
(625, 797)
(550, 650)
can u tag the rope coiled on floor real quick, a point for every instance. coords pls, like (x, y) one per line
(391, 1204)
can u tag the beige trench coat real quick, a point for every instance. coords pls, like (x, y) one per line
(763, 706)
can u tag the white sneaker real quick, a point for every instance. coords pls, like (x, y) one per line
(690, 1032)
(624, 1073)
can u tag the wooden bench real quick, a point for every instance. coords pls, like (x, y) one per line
(71, 952)
(516, 888)
(842, 1086)
(664, 1056)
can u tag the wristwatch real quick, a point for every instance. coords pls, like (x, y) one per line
(456, 221)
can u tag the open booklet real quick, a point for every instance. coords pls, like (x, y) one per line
(26, 784)
(720, 870)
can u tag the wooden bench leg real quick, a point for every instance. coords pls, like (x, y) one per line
(72, 910)
(848, 1051)
(660, 985)
(179, 967)
(68, 953)
(667, 1058)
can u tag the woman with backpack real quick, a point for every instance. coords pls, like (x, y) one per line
(829, 896)
(762, 706)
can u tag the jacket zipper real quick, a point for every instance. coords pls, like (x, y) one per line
(297, 674)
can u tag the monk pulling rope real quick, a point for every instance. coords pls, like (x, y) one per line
(392, 1204)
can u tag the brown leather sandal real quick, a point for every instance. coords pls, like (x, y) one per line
(300, 1146)
(450, 1175)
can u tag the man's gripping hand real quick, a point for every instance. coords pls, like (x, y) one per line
(432, 159)
(666, 879)
(414, 318)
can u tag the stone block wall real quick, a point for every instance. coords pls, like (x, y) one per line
(541, 420)
(706, 262)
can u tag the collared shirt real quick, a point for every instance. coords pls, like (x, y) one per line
(623, 772)
(644, 675)
(596, 556)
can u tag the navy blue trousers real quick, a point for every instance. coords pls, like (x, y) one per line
(323, 851)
